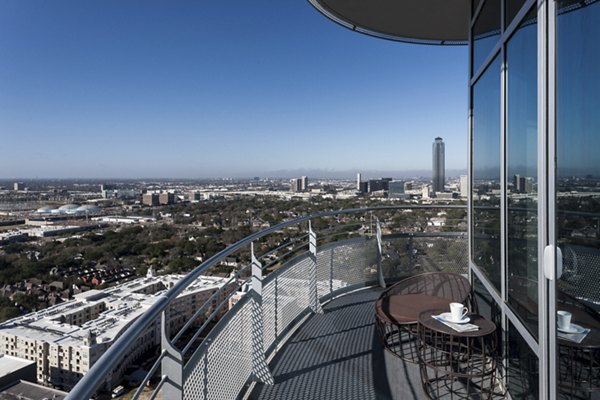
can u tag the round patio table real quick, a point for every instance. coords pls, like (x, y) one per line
(399, 314)
(456, 364)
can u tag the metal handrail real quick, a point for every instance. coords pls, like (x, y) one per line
(286, 244)
(89, 383)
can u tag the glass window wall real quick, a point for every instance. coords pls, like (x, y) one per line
(523, 368)
(521, 175)
(486, 174)
(512, 8)
(486, 32)
(578, 198)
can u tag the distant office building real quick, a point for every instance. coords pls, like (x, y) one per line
(295, 185)
(364, 187)
(166, 198)
(194, 196)
(396, 190)
(18, 186)
(375, 185)
(299, 184)
(120, 194)
(358, 181)
(523, 184)
(439, 172)
(409, 186)
(150, 199)
(464, 185)
(445, 196)
(426, 192)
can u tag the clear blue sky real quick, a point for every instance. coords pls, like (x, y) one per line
(148, 88)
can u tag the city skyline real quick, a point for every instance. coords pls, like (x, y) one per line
(349, 175)
(146, 89)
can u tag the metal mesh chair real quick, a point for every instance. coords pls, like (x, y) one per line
(397, 325)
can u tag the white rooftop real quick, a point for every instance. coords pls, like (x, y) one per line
(9, 364)
(123, 304)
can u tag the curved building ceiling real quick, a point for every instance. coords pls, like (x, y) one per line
(414, 21)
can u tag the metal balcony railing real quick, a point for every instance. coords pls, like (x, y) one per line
(289, 270)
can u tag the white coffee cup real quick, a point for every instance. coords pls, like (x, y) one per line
(563, 319)
(458, 311)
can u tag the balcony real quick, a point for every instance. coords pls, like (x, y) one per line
(296, 318)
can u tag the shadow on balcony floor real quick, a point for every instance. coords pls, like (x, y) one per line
(338, 356)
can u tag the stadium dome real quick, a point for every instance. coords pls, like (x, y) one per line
(67, 207)
(88, 208)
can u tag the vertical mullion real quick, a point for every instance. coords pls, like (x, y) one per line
(550, 60)
(503, 200)
(470, 146)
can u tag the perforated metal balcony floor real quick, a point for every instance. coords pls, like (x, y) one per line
(337, 355)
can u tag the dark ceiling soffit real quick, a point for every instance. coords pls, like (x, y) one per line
(380, 35)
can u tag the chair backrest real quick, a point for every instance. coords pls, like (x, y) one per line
(449, 286)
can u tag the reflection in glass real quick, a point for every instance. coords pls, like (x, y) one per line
(512, 8)
(578, 196)
(521, 177)
(486, 32)
(475, 5)
(523, 368)
(488, 308)
(486, 173)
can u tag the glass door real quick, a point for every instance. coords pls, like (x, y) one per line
(575, 293)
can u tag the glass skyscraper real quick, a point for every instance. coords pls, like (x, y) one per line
(438, 172)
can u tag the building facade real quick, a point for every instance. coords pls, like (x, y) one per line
(150, 199)
(438, 172)
(534, 175)
(166, 198)
(67, 339)
(396, 190)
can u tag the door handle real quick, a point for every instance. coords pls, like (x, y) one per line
(553, 266)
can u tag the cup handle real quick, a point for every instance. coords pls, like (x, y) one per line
(465, 312)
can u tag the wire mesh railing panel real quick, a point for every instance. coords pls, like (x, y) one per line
(220, 370)
(269, 310)
(354, 261)
(293, 292)
(406, 256)
(580, 268)
(324, 270)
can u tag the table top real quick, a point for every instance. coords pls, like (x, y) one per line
(585, 320)
(405, 308)
(486, 327)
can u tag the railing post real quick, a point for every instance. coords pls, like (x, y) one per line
(411, 263)
(260, 369)
(315, 304)
(380, 277)
(171, 365)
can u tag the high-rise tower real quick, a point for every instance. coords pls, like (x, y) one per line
(439, 172)
(358, 181)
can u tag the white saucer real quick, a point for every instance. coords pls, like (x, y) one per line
(573, 328)
(448, 318)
